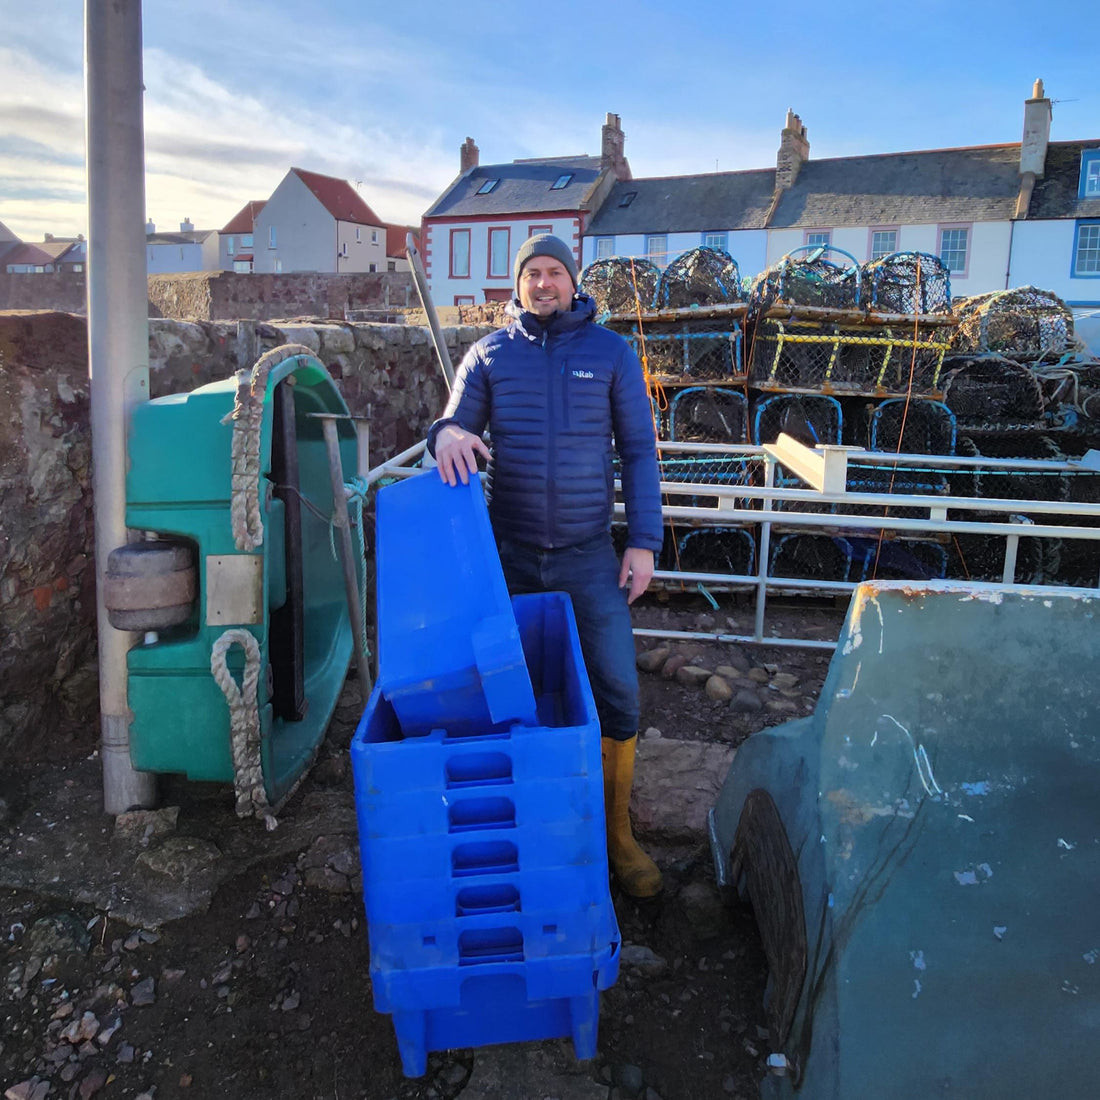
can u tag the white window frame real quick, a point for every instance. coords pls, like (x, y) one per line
(720, 240)
(497, 260)
(1087, 239)
(272, 237)
(656, 248)
(965, 228)
(605, 248)
(876, 231)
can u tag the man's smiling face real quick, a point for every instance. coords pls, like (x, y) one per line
(545, 287)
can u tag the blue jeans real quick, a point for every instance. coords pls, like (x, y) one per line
(589, 573)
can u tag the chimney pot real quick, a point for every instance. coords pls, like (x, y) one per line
(794, 151)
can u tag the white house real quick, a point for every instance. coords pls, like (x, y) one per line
(470, 235)
(190, 249)
(999, 215)
(317, 223)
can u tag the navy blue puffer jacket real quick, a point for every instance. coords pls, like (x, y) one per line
(553, 399)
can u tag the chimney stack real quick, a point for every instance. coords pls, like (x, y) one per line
(187, 226)
(612, 144)
(1033, 147)
(794, 151)
(150, 227)
(468, 156)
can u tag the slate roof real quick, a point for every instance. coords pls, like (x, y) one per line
(1055, 195)
(683, 204)
(524, 188)
(190, 236)
(339, 198)
(979, 183)
(29, 254)
(245, 218)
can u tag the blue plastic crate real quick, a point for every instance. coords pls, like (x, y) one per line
(484, 860)
(448, 646)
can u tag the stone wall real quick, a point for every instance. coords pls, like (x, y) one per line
(225, 295)
(48, 678)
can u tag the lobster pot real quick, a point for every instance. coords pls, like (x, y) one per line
(918, 427)
(730, 550)
(864, 359)
(889, 482)
(981, 557)
(806, 281)
(900, 559)
(992, 392)
(1023, 324)
(622, 284)
(817, 557)
(907, 282)
(707, 414)
(699, 277)
(813, 419)
(1007, 484)
(665, 558)
(688, 353)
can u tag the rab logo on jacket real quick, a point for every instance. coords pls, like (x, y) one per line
(584, 374)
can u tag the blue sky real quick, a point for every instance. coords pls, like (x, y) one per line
(383, 94)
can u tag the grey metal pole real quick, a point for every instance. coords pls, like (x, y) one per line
(118, 341)
(421, 280)
(347, 552)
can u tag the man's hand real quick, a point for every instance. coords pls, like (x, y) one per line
(456, 452)
(637, 568)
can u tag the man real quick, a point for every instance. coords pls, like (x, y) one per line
(555, 389)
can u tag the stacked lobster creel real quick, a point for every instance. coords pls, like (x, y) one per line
(686, 325)
(1020, 384)
(838, 351)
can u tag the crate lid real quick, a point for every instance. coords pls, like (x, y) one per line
(448, 644)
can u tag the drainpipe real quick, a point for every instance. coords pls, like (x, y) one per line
(118, 342)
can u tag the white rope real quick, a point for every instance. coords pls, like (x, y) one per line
(244, 722)
(245, 513)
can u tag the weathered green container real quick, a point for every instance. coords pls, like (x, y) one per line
(180, 485)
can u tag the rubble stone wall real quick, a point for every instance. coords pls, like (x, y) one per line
(48, 677)
(225, 295)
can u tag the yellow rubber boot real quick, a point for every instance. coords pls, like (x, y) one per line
(638, 875)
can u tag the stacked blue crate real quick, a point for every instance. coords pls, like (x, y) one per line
(482, 836)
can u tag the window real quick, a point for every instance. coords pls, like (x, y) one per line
(499, 240)
(883, 242)
(534, 230)
(464, 299)
(344, 249)
(561, 181)
(605, 248)
(230, 245)
(78, 267)
(953, 247)
(374, 236)
(391, 265)
(372, 267)
(246, 240)
(715, 240)
(656, 248)
(278, 266)
(484, 189)
(1090, 174)
(817, 238)
(1086, 251)
(242, 267)
(358, 235)
(460, 253)
(271, 243)
(628, 198)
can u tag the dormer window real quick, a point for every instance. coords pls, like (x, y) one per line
(628, 198)
(561, 181)
(487, 186)
(1090, 174)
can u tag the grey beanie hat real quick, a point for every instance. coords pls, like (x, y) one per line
(543, 244)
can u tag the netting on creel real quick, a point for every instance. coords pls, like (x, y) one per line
(708, 414)
(907, 282)
(717, 550)
(691, 351)
(812, 419)
(873, 360)
(699, 277)
(1023, 324)
(917, 427)
(620, 284)
(890, 482)
(991, 391)
(806, 280)
(981, 557)
(1005, 483)
(817, 557)
(900, 559)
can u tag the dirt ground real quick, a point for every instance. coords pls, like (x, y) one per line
(267, 993)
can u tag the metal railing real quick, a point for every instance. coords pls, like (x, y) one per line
(761, 505)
